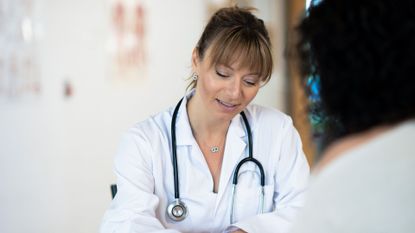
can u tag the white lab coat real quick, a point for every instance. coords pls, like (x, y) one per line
(145, 176)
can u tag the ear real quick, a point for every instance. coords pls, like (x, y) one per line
(195, 59)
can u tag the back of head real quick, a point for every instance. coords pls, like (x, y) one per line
(363, 52)
(235, 34)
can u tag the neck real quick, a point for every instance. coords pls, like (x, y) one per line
(337, 149)
(203, 125)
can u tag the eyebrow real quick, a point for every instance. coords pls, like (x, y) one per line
(226, 66)
(229, 67)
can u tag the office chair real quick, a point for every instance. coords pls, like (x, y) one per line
(113, 190)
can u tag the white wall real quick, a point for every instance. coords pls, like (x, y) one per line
(56, 153)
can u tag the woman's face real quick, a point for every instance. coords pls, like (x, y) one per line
(224, 89)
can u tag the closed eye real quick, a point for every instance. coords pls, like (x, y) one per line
(251, 80)
(221, 74)
(250, 83)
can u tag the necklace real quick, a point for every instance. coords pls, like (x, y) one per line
(214, 149)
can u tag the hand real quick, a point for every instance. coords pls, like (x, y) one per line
(239, 231)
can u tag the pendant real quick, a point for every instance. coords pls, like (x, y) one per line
(214, 149)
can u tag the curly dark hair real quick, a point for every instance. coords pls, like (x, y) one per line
(363, 52)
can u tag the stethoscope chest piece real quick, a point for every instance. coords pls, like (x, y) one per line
(177, 210)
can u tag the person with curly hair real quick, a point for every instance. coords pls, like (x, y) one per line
(363, 54)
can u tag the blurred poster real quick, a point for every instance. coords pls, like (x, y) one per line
(19, 68)
(127, 40)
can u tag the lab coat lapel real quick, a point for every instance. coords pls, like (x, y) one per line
(234, 152)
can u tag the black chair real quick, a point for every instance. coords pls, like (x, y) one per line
(113, 190)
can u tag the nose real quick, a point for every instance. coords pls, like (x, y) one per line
(234, 89)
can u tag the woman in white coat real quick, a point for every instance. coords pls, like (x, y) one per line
(175, 170)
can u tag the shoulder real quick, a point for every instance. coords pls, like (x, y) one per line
(355, 182)
(139, 143)
(152, 130)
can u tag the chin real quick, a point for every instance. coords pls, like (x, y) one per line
(228, 116)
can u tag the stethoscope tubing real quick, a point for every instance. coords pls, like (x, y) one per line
(174, 151)
(250, 158)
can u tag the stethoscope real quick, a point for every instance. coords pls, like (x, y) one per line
(177, 210)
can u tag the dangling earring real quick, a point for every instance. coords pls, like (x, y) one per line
(195, 76)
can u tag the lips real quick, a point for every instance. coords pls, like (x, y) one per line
(227, 106)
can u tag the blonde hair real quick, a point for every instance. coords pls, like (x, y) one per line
(233, 34)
